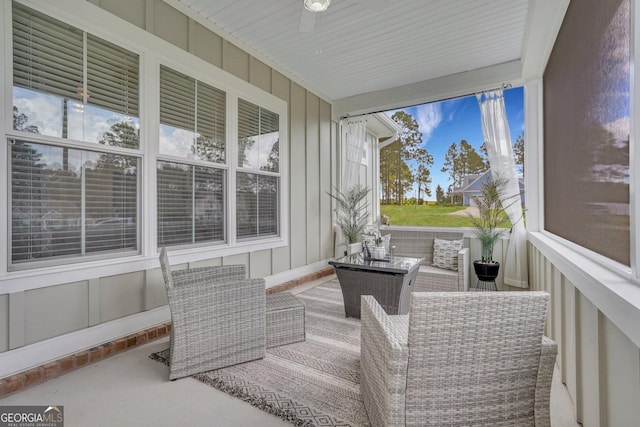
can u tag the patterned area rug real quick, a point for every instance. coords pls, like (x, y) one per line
(311, 383)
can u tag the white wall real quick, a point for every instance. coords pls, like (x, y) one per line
(596, 331)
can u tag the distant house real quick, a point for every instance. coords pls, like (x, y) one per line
(472, 184)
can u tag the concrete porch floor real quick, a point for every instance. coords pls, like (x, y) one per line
(129, 389)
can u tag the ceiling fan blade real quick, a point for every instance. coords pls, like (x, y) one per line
(307, 21)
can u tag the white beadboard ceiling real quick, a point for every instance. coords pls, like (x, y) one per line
(362, 46)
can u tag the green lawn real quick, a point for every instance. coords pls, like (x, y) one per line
(433, 215)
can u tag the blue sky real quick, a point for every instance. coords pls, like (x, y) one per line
(445, 122)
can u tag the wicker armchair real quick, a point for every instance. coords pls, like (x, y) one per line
(458, 359)
(217, 317)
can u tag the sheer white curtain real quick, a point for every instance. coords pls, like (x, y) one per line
(355, 139)
(355, 136)
(500, 152)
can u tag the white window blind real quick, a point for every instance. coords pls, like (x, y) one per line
(68, 83)
(257, 198)
(258, 137)
(190, 204)
(112, 77)
(192, 118)
(47, 54)
(67, 202)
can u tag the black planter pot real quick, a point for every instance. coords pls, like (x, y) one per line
(487, 272)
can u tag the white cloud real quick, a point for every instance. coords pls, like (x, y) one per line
(429, 116)
(176, 142)
(620, 129)
(44, 111)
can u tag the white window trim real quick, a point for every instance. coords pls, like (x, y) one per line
(153, 52)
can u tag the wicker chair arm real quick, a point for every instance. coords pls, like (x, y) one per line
(384, 357)
(463, 269)
(543, 384)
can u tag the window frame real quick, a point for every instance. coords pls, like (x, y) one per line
(259, 172)
(10, 134)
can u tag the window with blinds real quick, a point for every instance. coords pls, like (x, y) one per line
(257, 180)
(70, 84)
(190, 204)
(67, 202)
(192, 118)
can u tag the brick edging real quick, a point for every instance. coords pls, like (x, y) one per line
(299, 281)
(45, 372)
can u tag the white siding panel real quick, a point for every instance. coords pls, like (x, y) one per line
(260, 264)
(281, 257)
(170, 25)
(326, 228)
(260, 74)
(121, 295)
(56, 310)
(588, 385)
(620, 377)
(4, 323)
(208, 45)
(313, 178)
(155, 290)
(237, 259)
(599, 364)
(298, 174)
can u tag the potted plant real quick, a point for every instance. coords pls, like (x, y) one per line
(351, 211)
(486, 226)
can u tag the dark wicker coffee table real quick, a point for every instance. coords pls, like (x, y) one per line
(390, 282)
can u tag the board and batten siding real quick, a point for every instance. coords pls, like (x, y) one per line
(35, 315)
(599, 364)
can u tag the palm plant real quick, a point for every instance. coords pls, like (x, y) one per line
(491, 216)
(351, 211)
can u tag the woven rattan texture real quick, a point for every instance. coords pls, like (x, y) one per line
(217, 316)
(285, 319)
(468, 359)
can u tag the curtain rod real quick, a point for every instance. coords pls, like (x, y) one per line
(503, 86)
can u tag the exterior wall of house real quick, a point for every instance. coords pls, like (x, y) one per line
(598, 359)
(62, 309)
(367, 175)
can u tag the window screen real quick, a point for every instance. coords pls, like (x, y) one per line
(586, 129)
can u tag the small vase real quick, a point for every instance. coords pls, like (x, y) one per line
(354, 248)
